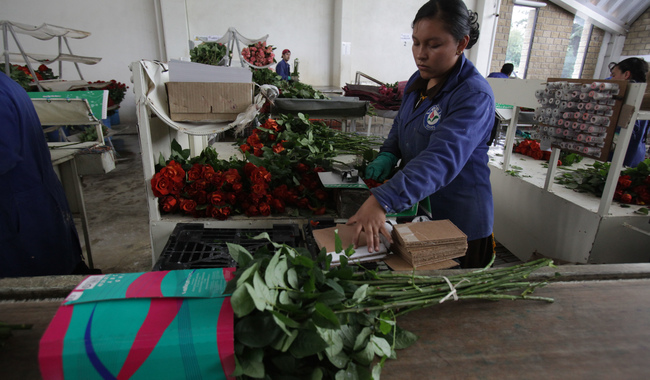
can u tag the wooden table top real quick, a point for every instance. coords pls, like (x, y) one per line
(593, 330)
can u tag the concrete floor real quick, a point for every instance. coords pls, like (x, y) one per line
(117, 210)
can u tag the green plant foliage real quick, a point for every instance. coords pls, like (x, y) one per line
(299, 318)
(209, 53)
(18, 75)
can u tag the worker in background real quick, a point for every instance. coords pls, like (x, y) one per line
(506, 71)
(633, 70)
(37, 233)
(440, 135)
(282, 68)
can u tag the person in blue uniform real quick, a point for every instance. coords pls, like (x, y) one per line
(506, 71)
(282, 68)
(439, 136)
(633, 70)
(37, 233)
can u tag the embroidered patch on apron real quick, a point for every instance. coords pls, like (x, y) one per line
(432, 118)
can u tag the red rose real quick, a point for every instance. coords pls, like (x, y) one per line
(169, 203)
(320, 194)
(277, 205)
(252, 210)
(302, 168)
(303, 203)
(161, 185)
(217, 198)
(277, 148)
(259, 188)
(265, 209)
(245, 148)
(173, 170)
(208, 173)
(260, 175)
(194, 173)
(188, 205)
(232, 176)
(625, 181)
(318, 210)
(626, 198)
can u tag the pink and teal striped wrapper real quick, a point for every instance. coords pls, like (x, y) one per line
(151, 325)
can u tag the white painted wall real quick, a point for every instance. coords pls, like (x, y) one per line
(122, 31)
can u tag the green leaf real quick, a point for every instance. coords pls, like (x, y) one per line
(376, 371)
(324, 317)
(281, 271)
(381, 346)
(349, 373)
(338, 245)
(269, 273)
(247, 274)
(176, 147)
(366, 355)
(360, 293)
(348, 335)
(404, 338)
(361, 340)
(239, 254)
(281, 318)
(161, 161)
(317, 374)
(253, 368)
(292, 277)
(260, 303)
(257, 330)
(263, 290)
(307, 343)
(333, 339)
(241, 301)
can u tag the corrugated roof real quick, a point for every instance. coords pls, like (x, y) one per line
(614, 16)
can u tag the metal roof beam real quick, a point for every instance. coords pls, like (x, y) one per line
(601, 20)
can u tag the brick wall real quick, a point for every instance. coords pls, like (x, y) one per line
(637, 41)
(550, 42)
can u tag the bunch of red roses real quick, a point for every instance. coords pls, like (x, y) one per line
(531, 148)
(242, 187)
(265, 135)
(631, 190)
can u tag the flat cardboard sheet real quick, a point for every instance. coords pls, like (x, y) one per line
(428, 233)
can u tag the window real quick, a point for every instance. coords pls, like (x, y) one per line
(577, 49)
(520, 39)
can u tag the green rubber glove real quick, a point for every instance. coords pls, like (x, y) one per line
(381, 166)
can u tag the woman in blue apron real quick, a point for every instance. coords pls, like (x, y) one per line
(37, 233)
(440, 137)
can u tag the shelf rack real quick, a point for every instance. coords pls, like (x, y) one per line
(533, 216)
(43, 32)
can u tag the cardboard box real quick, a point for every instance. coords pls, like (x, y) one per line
(208, 102)
(152, 325)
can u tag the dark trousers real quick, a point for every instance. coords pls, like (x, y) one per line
(479, 253)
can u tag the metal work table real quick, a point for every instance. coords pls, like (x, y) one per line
(65, 166)
(597, 328)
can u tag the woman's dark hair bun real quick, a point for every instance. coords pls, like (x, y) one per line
(474, 31)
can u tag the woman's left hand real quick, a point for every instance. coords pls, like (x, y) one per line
(371, 219)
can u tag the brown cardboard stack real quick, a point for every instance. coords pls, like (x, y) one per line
(430, 242)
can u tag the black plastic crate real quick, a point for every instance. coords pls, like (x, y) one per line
(193, 246)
